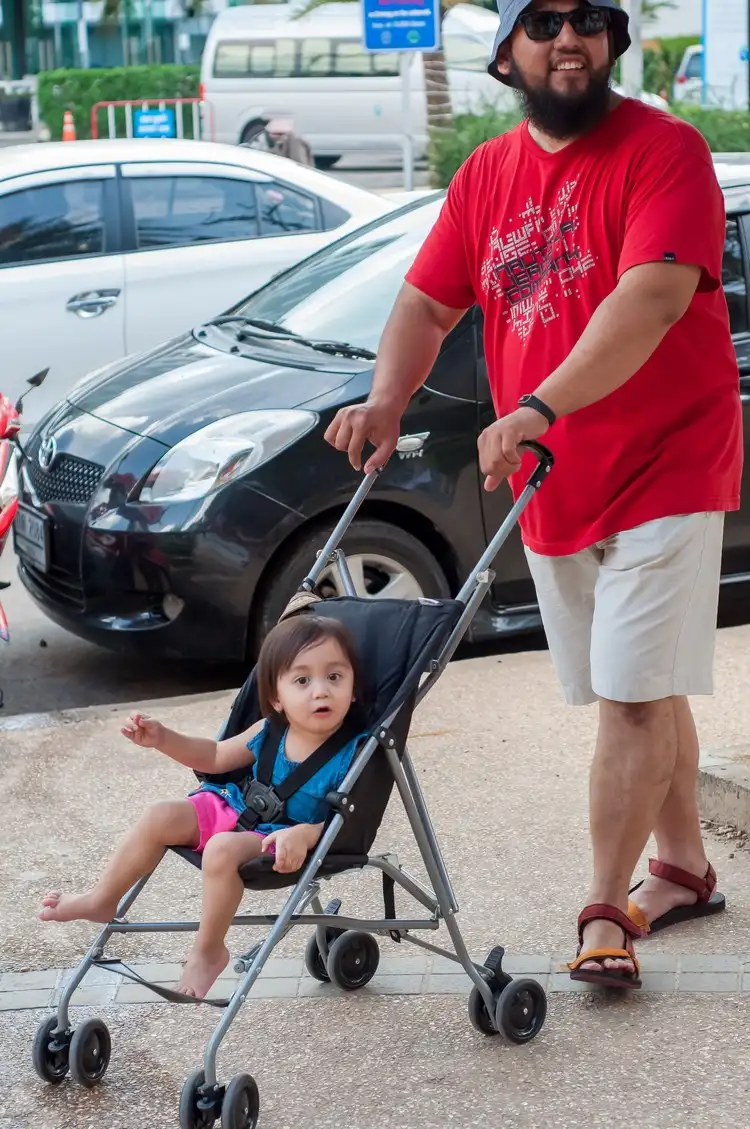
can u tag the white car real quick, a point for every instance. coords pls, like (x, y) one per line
(108, 248)
(688, 81)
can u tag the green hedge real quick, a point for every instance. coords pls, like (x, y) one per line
(79, 90)
(726, 131)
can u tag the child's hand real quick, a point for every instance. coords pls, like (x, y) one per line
(292, 845)
(143, 731)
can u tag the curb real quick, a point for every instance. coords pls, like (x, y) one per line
(724, 787)
(57, 718)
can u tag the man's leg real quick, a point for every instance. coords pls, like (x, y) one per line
(652, 645)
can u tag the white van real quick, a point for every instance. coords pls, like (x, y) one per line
(262, 62)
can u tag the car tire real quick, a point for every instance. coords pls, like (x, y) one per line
(383, 549)
(329, 162)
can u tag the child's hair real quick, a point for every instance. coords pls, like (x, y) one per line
(285, 641)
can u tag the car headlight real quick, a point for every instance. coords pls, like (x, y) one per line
(220, 452)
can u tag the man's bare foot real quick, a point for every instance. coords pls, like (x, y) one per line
(605, 935)
(201, 971)
(72, 907)
(657, 896)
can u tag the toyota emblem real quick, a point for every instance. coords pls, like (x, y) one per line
(47, 453)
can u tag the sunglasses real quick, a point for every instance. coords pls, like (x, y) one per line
(545, 26)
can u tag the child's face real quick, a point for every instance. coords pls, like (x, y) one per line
(315, 693)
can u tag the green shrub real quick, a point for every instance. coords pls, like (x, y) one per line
(726, 131)
(449, 149)
(79, 90)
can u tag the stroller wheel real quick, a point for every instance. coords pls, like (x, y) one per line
(521, 1011)
(353, 960)
(314, 962)
(90, 1050)
(196, 1112)
(50, 1057)
(481, 1020)
(241, 1104)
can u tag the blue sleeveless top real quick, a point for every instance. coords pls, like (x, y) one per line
(307, 804)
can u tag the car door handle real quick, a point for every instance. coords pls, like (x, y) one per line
(92, 303)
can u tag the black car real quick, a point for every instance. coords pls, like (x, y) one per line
(175, 501)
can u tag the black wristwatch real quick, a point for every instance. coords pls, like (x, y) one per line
(538, 406)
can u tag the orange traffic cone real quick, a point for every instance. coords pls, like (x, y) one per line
(69, 127)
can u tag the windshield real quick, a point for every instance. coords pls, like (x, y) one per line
(347, 291)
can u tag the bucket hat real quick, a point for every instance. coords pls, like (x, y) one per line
(510, 10)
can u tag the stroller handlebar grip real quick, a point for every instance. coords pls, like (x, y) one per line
(543, 454)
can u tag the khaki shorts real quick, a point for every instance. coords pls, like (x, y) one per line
(633, 618)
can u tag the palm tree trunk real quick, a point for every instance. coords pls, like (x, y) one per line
(437, 93)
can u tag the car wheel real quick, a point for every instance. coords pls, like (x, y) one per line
(384, 560)
(327, 162)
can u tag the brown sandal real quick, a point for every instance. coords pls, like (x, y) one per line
(607, 978)
(709, 900)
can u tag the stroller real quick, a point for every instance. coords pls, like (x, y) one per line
(407, 645)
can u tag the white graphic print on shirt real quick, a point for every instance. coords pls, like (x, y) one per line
(533, 265)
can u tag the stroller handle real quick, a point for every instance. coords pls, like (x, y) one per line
(543, 454)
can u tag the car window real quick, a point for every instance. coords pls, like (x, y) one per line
(284, 211)
(54, 221)
(734, 279)
(179, 211)
(694, 68)
(347, 291)
(265, 59)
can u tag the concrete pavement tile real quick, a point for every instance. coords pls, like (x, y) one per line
(282, 967)
(159, 973)
(658, 981)
(15, 981)
(657, 962)
(395, 985)
(25, 998)
(455, 984)
(526, 964)
(709, 982)
(96, 996)
(406, 965)
(709, 962)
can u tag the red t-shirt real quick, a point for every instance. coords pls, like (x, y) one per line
(539, 240)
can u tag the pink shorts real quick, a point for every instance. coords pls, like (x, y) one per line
(214, 816)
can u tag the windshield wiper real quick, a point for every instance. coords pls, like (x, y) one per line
(267, 330)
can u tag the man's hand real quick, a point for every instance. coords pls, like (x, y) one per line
(292, 845)
(499, 455)
(372, 421)
(143, 731)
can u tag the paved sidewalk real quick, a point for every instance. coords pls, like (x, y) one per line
(504, 768)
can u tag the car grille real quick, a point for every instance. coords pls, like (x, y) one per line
(71, 479)
(58, 585)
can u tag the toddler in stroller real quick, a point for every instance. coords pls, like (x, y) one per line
(400, 648)
(306, 685)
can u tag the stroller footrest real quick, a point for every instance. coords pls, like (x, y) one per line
(112, 964)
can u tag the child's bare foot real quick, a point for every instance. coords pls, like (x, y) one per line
(71, 907)
(201, 971)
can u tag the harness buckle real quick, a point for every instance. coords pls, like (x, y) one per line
(263, 805)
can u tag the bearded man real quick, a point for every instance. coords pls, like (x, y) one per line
(592, 237)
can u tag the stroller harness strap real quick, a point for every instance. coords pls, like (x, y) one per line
(266, 801)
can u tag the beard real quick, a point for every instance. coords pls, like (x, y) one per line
(563, 116)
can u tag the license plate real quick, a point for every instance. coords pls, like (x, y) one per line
(31, 537)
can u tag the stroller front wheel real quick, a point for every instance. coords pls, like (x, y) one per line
(353, 960)
(480, 1018)
(90, 1051)
(196, 1110)
(521, 1011)
(50, 1056)
(241, 1104)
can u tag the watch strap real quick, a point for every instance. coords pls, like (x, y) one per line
(538, 406)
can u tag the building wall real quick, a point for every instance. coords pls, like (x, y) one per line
(686, 18)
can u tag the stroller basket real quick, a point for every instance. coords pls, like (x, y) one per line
(404, 647)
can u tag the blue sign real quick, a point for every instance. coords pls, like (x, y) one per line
(154, 123)
(401, 25)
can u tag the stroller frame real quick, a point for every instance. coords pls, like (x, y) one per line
(517, 1014)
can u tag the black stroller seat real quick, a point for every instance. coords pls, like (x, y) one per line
(403, 647)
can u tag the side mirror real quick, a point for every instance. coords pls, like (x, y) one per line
(35, 381)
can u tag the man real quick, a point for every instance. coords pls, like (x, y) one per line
(592, 237)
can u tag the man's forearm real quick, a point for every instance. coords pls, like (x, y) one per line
(621, 336)
(409, 346)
